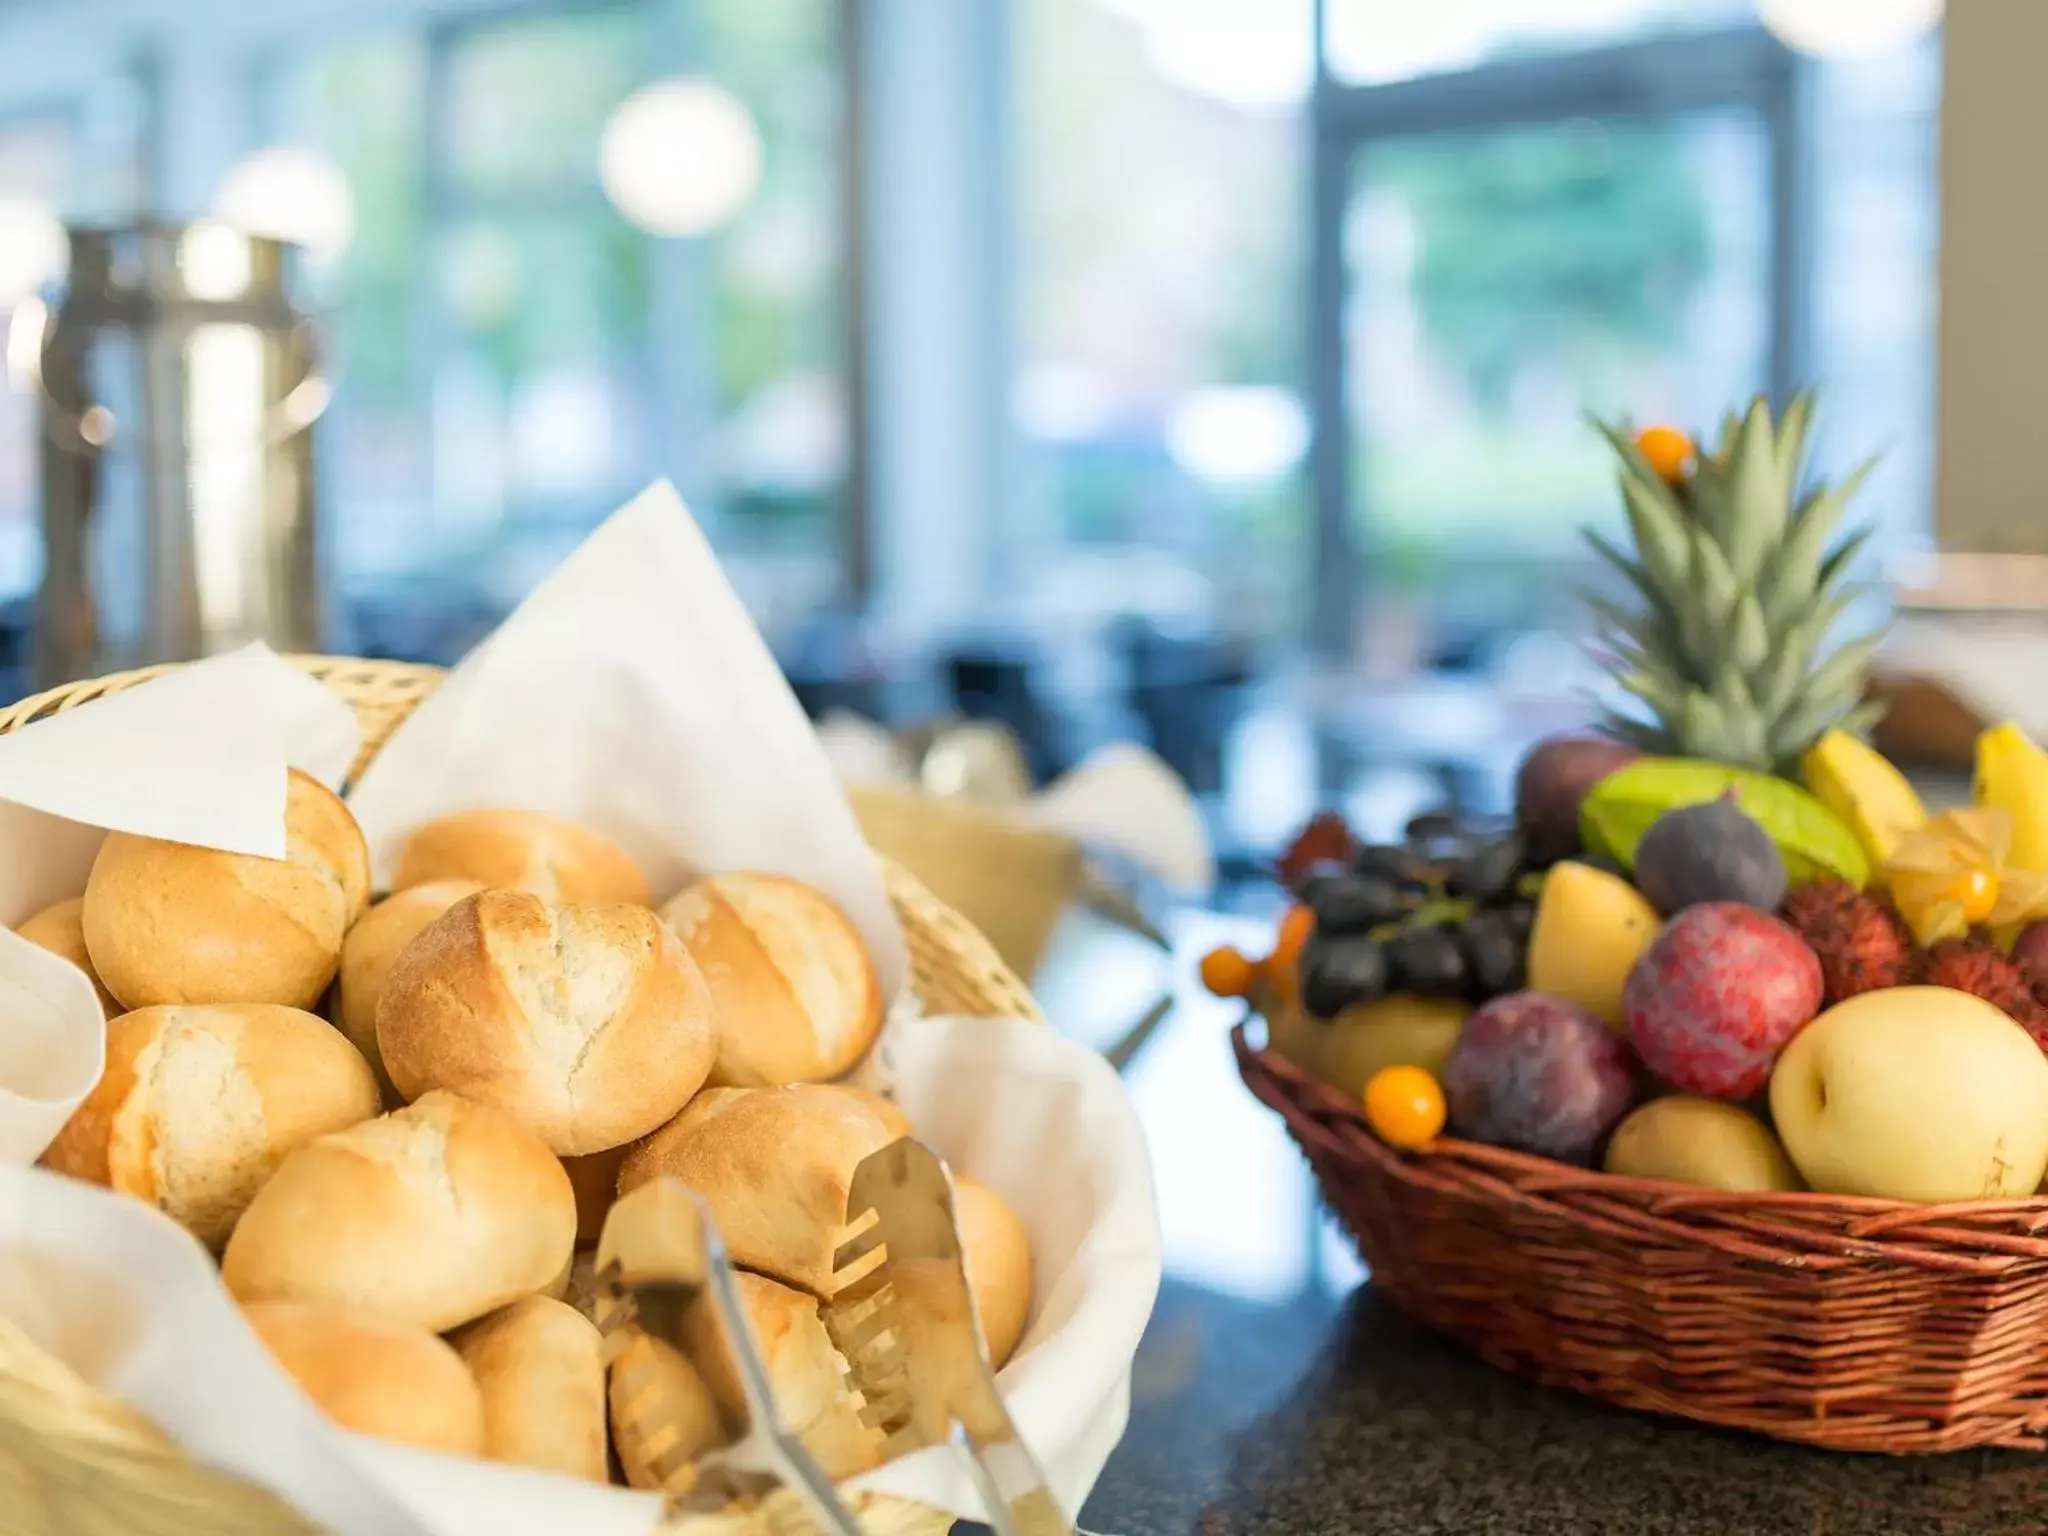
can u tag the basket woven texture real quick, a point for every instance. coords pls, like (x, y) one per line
(74, 1462)
(1849, 1323)
(1010, 879)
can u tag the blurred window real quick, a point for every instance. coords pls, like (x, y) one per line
(517, 358)
(1631, 207)
(1157, 396)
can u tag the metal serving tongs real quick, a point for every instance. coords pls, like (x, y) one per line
(903, 1315)
(706, 1422)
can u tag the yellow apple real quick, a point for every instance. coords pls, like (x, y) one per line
(1397, 1031)
(1914, 1093)
(1700, 1141)
(1292, 1034)
(1590, 928)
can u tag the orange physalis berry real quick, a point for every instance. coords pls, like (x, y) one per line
(1228, 972)
(1669, 451)
(1977, 890)
(1283, 966)
(1404, 1106)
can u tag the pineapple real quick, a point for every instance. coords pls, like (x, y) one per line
(1737, 594)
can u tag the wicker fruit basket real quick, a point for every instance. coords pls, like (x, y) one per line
(73, 1460)
(1854, 1324)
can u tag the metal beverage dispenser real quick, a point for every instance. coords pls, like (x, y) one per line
(178, 387)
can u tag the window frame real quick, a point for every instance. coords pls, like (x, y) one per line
(1661, 77)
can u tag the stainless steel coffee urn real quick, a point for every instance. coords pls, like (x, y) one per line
(178, 389)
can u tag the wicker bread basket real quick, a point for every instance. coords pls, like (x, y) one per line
(1010, 879)
(76, 1463)
(1850, 1323)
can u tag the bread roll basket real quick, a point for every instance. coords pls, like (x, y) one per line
(73, 1460)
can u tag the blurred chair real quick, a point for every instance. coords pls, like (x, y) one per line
(1187, 689)
(994, 681)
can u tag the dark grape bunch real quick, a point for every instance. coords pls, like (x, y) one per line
(1444, 914)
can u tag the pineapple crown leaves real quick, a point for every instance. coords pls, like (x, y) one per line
(1739, 590)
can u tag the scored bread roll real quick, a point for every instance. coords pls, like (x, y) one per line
(373, 946)
(171, 923)
(199, 1105)
(773, 1166)
(434, 1215)
(374, 1376)
(554, 858)
(888, 1109)
(61, 930)
(540, 1367)
(796, 993)
(805, 1374)
(590, 1025)
(998, 1258)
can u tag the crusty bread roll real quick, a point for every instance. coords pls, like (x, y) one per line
(998, 1259)
(796, 993)
(555, 859)
(805, 1373)
(170, 923)
(591, 1025)
(434, 1215)
(596, 1181)
(373, 946)
(374, 1376)
(773, 1166)
(888, 1109)
(198, 1106)
(540, 1367)
(61, 930)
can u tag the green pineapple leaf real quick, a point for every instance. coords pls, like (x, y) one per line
(1792, 429)
(1757, 495)
(1659, 529)
(1749, 638)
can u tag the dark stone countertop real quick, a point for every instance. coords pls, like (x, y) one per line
(1315, 1418)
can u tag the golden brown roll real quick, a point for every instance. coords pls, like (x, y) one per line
(888, 1109)
(590, 1025)
(433, 1215)
(198, 1106)
(795, 991)
(540, 1367)
(805, 1373)
(374, 1376)
(998, 1259)
(373, 946)
(554, 858)
(773, 1166)
(170, 923)
(61, 930)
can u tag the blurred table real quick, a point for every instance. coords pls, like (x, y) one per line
(1277, 1395)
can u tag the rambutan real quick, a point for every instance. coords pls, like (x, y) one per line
(1970, 965)
(1862, 942)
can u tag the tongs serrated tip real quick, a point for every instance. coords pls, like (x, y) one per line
(662, 1274)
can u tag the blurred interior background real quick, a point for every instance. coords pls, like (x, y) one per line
(1208, 372)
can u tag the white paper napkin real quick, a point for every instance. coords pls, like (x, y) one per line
(632, 692)
(132, 1303)
(1124, 798)
(198, 755)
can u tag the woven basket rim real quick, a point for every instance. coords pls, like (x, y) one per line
(1804, 1228)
